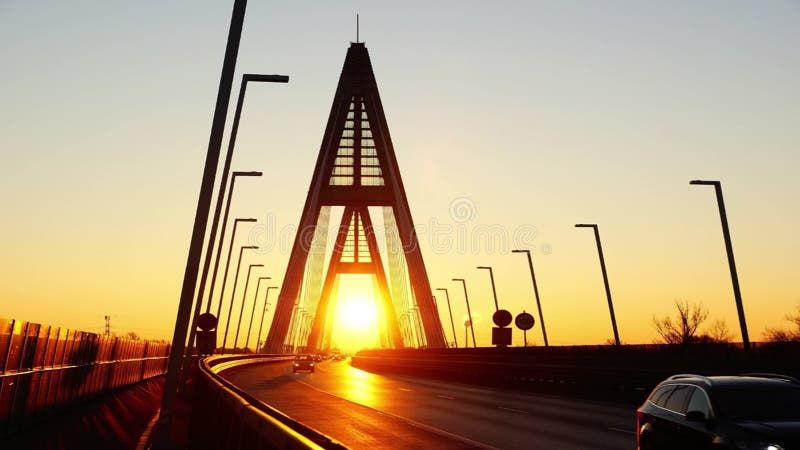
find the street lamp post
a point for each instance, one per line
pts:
(226, 170)
(236, 223)
(450, 310)
(253, 314)
(737, 294)
(233, 295)
(494, 290)
(223, 182)
(209, 250)
(184, 315)
(535, 292)
(469, 312)
(244, 300)
(264, 312)
(605, 277)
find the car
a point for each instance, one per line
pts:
(745, 412)
(303, 362)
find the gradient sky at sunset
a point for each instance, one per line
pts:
(526, 117)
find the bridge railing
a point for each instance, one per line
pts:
(44, 368)
(226, 417)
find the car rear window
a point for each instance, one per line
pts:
(659, 397)
(678, 398)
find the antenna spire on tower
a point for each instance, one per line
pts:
(357, 29)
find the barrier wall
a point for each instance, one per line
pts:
(226, 417)
(43, 368)
(623, 374)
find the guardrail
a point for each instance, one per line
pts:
(226, 417)
(623, 374)
(46, 368)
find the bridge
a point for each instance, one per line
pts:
(421, 383)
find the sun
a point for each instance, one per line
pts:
(356, 313)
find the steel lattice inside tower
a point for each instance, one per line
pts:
(356, 168)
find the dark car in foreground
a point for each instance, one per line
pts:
(746, 412)
(303, 362)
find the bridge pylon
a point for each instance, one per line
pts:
(356, 169)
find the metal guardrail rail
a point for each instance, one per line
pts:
(226, 417)
(45, 368)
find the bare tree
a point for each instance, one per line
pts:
(684, 327)
(718, 332)
(781, 335)
(132, 336)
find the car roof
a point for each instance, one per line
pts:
(746, 380)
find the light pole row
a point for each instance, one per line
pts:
(731, 264)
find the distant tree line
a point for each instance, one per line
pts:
(686, 327)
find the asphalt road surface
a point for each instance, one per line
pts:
(367, 411)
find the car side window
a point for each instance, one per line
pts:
(659, 397)
(699, 402)
(678, 398)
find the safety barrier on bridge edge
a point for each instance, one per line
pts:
(623, 374)
(226, 417)
(46, 368)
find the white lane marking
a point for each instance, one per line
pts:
(404, 389)
(622, 430)
(445, 397)
(513, 410)
(411, 422)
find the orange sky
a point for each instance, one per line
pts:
(528, 119)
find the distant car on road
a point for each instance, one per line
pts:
(746, 412)
(303, 362)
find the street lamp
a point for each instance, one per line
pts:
(469, 312)
(450, 310)
(223, 182)
(244, 300)
(222, 235)
(264, 311)
(236, 223)
(184, 315)
(737, 294)
(605, 277)
(535, 292)
(494, 291)
(233, 295)
(252, 314)
(209, 251)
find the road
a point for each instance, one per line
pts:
(366, 410)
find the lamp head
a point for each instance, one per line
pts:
(265, 78)
(247, 174)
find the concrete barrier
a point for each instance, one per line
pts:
(226, 417)
(624, 374)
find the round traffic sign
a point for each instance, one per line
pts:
(524, 321)
(501, 318)
(206, 322)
